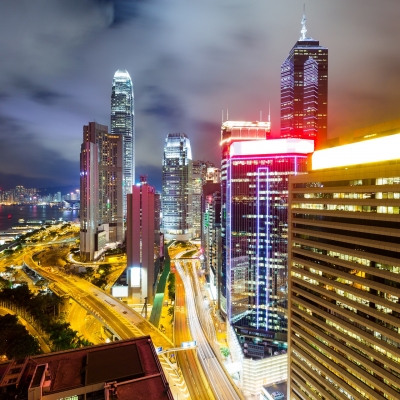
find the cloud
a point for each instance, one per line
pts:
(188, 61)
(40, 38)
(24, 159)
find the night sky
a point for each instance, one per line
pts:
(188, 60)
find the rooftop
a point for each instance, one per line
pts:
(127, 367)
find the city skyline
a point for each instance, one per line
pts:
(59, 66)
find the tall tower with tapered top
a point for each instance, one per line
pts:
(304, 90)
(123, 123)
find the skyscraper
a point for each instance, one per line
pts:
(199, 177)
(123, 123)
(177, 187)
(304, 90)
(101, 189)
(344, 259)
(198, 170)
(140, 241)
(89, 203)
(254, 229)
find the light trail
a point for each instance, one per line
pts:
(220, 383)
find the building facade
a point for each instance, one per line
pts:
(140, 242)
(344, 273)
(304, 91)
(123, 124)
(101, 154)
(233, 131)
(198, 174)
(177, 188)
(254, 277)
(211, 235)
(89, 189)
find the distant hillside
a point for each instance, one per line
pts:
(63, 189)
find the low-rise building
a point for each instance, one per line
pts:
(123, 370)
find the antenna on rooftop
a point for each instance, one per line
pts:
(227, 118)
(303, 23)
(260, 116)
(269, 111)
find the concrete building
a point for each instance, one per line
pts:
(123, 370)
(211, 235)
(344, 272)
(202, 172)
(101, 154)
(140, 243)
(89, 212)
(176, 197)
(198, 174)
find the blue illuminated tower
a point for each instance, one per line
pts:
(123, 123)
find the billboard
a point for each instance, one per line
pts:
(119, 291)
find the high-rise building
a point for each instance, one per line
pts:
(89, 209)
(234, 131)
(177, 188)
(200, 170)
(123, 123)
(213, 175)
(101, 201)
(211, 235)
(304, 90)
(253, 281)
(344, 259)
(140, 242)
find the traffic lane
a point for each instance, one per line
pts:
(187, 359)
(106, 307)
(217, 378)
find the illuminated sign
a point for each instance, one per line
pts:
(119, 291)
(272, 146)
(135, 277)
(374, 150)
(188, 344)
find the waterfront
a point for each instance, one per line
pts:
(33, 212)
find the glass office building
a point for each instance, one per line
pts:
(344, 258)
(304, 90)
(177, 188)
(254, 219)
(123, 123)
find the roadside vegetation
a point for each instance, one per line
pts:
(15, 340)
(44, 309)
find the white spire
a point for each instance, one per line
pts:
(303, 23)
(269, 112)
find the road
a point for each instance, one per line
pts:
(188, 361)
(221, 385)
(116, 316)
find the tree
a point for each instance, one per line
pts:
(171, 287)
(15, 341)
(4, 283)
(22, 346)
(170, 311)
(62, 336)
(41, 282)
(225, 351)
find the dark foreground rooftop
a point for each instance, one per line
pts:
(123, 370)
